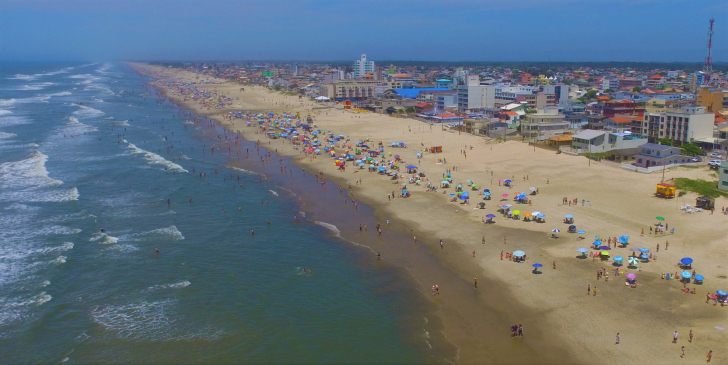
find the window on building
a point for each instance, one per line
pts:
(724, 183)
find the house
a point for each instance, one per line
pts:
(391, 99)
(600, 141)
(423, 107)
(653, 154)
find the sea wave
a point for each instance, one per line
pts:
(170, 233)
(77, 127)
(181, 284)
(273, 192)
(329, 226)
(62, 93)
(35, 86)
(37, 300)
(4, 135)
(103, 238)
(12, 120)
(5, 112)
(34, 99)
(59, 260)
(30, 172)
(156, 159)
(88, 112)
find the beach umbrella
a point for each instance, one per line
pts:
(686, 274)
(486, 190)
(506, 206)
(382, 169)
(581, 231)
(582, 250)
(568, 216)
(618, 258)
(623, 239)
(686, 261)
(510, 213)
(516, 212)
(361, 164)
(722, 293)
(537, 265)
(526, 214)
(411, 166)
(645, 256)
(633, 260)
(447, 174)
(405, 192)
(555, 230)
(444, 182)
(532, 189)
(505, 195)
(475, 185)
(644, 250)
(470, 181)
(541, 216)
(597, 243)
(699, 277)
(517, 193)
(487, 193)
(604, 253)
(418, 154)
(490, 216)
(660, 218)
(605, 248)
(631, 276)
(519, 253)
(508, 181)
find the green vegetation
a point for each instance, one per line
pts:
(690, 149)
(700, 186)
(665, 141)
(636, 89)
(410, 110)
(591, 94)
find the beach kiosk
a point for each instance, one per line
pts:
(705, 202)
(666, 190)
(436, 149)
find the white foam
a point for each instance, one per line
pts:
(5, 112)
(87, 112)
(273, 192)
(30, 172)
(245, 171)
(23, 77)
(11, 120)
(59, 260)
(181, 284)
(36, 300)
(45, 283)
(123, 248)
(34, 99)
(62, 93)
(35, 86)
(156, 159)
(121, 123)
(103, 238)
(4, 135)
(328, 226)
(170, 233)
(76, 127)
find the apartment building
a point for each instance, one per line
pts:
(686, 125)
(546, 123)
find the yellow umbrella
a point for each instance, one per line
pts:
(604, 253)
(516, 212)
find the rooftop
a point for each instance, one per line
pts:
(589, 134)
(412, 93)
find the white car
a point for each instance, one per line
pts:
(715, 155)
(715, 163)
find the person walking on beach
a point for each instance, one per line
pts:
(643, 232)
(502, 257)
(617, 341)
(483, 239)
(475, 283)
(588, 289)
(658, 247)
(710, 355)
(682, 351)
(690, 336)
(473, 253)
(554, 264)
(667, 244)
(504, 240)
(674, 337)
(441, 244)
(595, 291)
(520, 330)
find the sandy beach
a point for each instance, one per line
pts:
(562, 322)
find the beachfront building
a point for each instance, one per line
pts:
(447, 100)
(544, 124)
(622, 108)
(362, 67)
(599, 141)
(355, 89)
(391, 100)
(475, 97)
(690, 123)
(536, 100)
(652, 154)
(723, 176)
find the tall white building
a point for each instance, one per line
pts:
(363, 67)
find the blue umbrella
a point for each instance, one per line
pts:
(490, 216)
(444, 182)
(568, 216)
(519, 253)
(582, 250)
(644, 250)
(411, 166)
(317, 151)
(605, 248)
(541, 216)
(466, 193)
(487, 193)
(597, 243)
(618, 258)
(581, 231)
(623, 239)
(418, 154)
(405, 192)
(686, 261)
(507, 181)
(358, 161)
(382, 169)
(721, 292)
(645, 256)
(361, 163)
(686, 274)
(487, 190)
(537, 265)
(699, 277)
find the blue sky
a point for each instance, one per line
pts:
(436, 30)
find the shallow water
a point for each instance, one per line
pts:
(85, 146)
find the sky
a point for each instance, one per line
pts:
(328, 30)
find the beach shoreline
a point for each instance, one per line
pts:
(517, 296)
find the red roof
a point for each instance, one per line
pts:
(422, 105)
(621, 120)
(511, 113)
(655, 77)
(446, 115)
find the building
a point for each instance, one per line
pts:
(622, 108)
(723, 176)
(713, 100)
(596, 141)
(610, 82)
(473, 96)
(444, 83)
(689, 124)
(510, 92)
(536, 100)
(630, 83)
(390, 99)
(449, 100)
(358, 89)
(363, 67)
(653, 154)
(543, 125)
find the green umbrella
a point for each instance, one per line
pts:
(633, 261)
(660, 219)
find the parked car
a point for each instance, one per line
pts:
(714, 163)
(715, 155)
(696, 159)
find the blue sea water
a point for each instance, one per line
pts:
(85, 146)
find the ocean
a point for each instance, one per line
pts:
(97, 171)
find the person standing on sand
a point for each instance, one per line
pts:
(504, 240)
(658, 247)
(643, 232)
(502, 259)
(674, 337)
(682, 351)
(475, 282)
(588, 289)
(667, 244)
(473, 253)
(690, 336)
(617, 341)
(710, 355)
(483, 239)
(441, 244)
(520, 330)
(595, 291)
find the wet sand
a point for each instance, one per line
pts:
(562, 324)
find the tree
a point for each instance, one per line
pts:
(665, 141)
(690, 149)
(568, 81)
(410, 110)
(636, 89)
(591, 94)
(609, 90)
